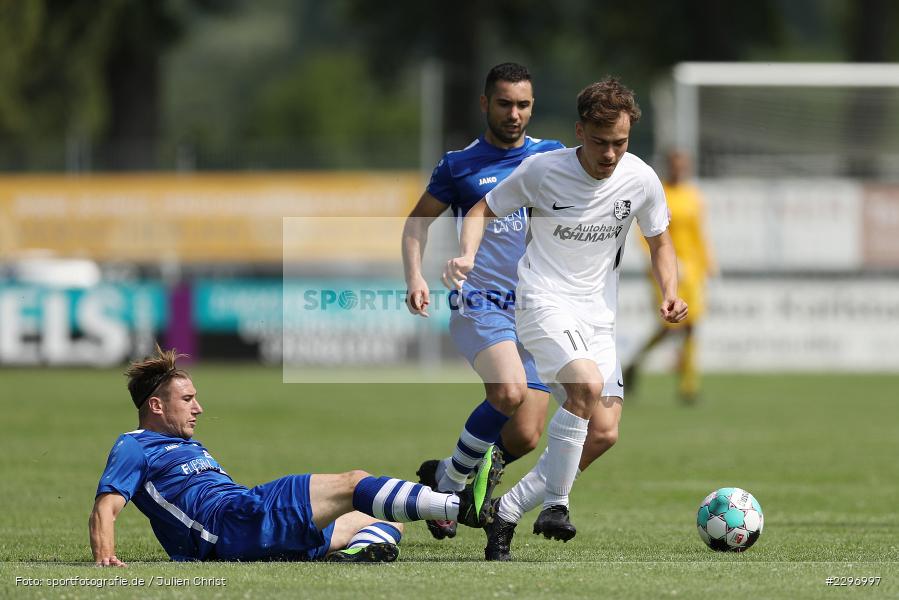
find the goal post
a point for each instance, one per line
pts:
(785, 118)
(798, 164)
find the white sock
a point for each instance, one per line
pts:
(440, 472)
(437, 506)
(566, 435)
(444, 481)
(527, 494)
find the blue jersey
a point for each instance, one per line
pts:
(176, 483)
(461, 179)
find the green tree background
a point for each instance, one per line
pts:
(205, 84)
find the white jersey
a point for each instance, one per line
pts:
(578, 227)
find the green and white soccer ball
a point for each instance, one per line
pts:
(730, 520)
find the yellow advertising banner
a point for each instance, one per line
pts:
(200, 218)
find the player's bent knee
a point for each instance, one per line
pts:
(353, 478)
(604, 437)
(507, 397)
(585, 393)
(594, 390)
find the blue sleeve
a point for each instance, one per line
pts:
(442, 186)
(125, 470)
(555, 145)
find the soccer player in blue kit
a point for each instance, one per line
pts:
(198, 512)
(482, 324)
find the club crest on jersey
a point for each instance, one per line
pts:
(622, 209)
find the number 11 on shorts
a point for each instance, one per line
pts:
(571, 339)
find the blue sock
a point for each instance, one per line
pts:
(481, 431)
(374, 534)
(485, 422)
(401, 501)
(508, 457)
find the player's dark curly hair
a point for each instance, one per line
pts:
(602, 102)
(511, 72)
(153, 374)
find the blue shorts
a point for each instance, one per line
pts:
(272, 521)
(477, 330)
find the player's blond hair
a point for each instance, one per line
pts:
(602, 103)
(153, 374)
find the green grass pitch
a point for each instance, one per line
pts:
(821, 454)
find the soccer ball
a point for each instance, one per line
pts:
(730, 520)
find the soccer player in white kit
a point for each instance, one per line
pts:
(582, 202)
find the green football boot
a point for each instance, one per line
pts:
(380, 552)
(475, 508)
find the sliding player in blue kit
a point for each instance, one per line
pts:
(482, 324)
(199, 513)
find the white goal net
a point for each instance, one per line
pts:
(784, 119)
(798, 165)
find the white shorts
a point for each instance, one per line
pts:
(555, 336)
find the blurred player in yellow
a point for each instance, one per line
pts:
(695, 265)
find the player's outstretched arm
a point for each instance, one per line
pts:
(415, 238)
(102, 529)
(664, 267)
(473, 226)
